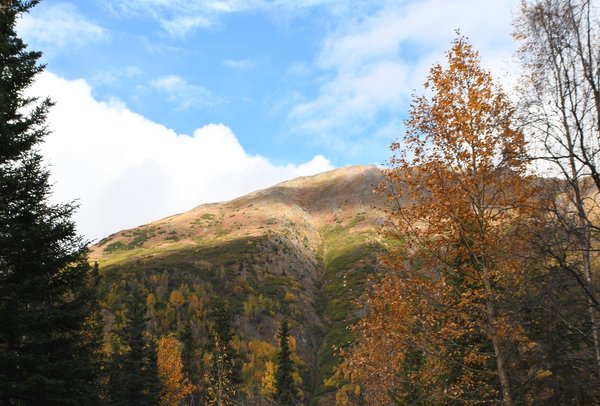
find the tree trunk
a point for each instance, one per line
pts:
(493, 331)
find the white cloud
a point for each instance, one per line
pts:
(180, 17)
(58, 27)
(358, 94)
(127, 170)
(239, 64)
(179, 26)
(115, 75)
(184, 95)
(370, 64)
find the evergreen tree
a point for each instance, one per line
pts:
(44, 303)
(133, 370)
(151, 393)
(115, 388)
(285, 393)
(190, 359)
(223, 376)
(92, 339)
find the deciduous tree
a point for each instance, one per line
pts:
(267, 387)
(440, 327)
(175, 385)
(560, 109)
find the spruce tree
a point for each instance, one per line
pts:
(223, 376)
(286, 393)
(189, 357)
(133, 369)
(91, 340)
(45, 354)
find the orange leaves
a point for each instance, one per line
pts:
(435, 327)
(383, 339)
(466, 123)
(170, 370)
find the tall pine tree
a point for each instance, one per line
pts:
(223, 376)
(286, 394)
(44, 302)
(133, 369)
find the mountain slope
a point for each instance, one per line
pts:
(300, 249)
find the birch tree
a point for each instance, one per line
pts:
(560, 108)
(440, 321)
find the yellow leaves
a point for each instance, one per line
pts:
(176, 298)
(151, 300)
(267, 387)
(475, 358)
(289, 297)
(464, 123)
(260, 367)
(384, 338)
(292, 343)
(170, 371)
(260, 349)
(346, 394)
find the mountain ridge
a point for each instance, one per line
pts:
(333, 189)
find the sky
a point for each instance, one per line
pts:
(162, 105)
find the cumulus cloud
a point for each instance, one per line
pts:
(370, 64)
(126, 170)
(184, 95)
(58, 27)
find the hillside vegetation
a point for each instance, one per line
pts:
(301, 249)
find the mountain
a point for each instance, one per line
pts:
(301, 249)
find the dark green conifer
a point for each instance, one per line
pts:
(133, 371)
(92, 340)
(190, 359)
(45, 353)
(223, 376)
(286, 393)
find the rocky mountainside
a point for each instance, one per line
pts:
(301, 249)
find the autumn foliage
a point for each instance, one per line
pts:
(176, 386)
(439, 327)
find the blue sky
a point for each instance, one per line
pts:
(164, 105)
